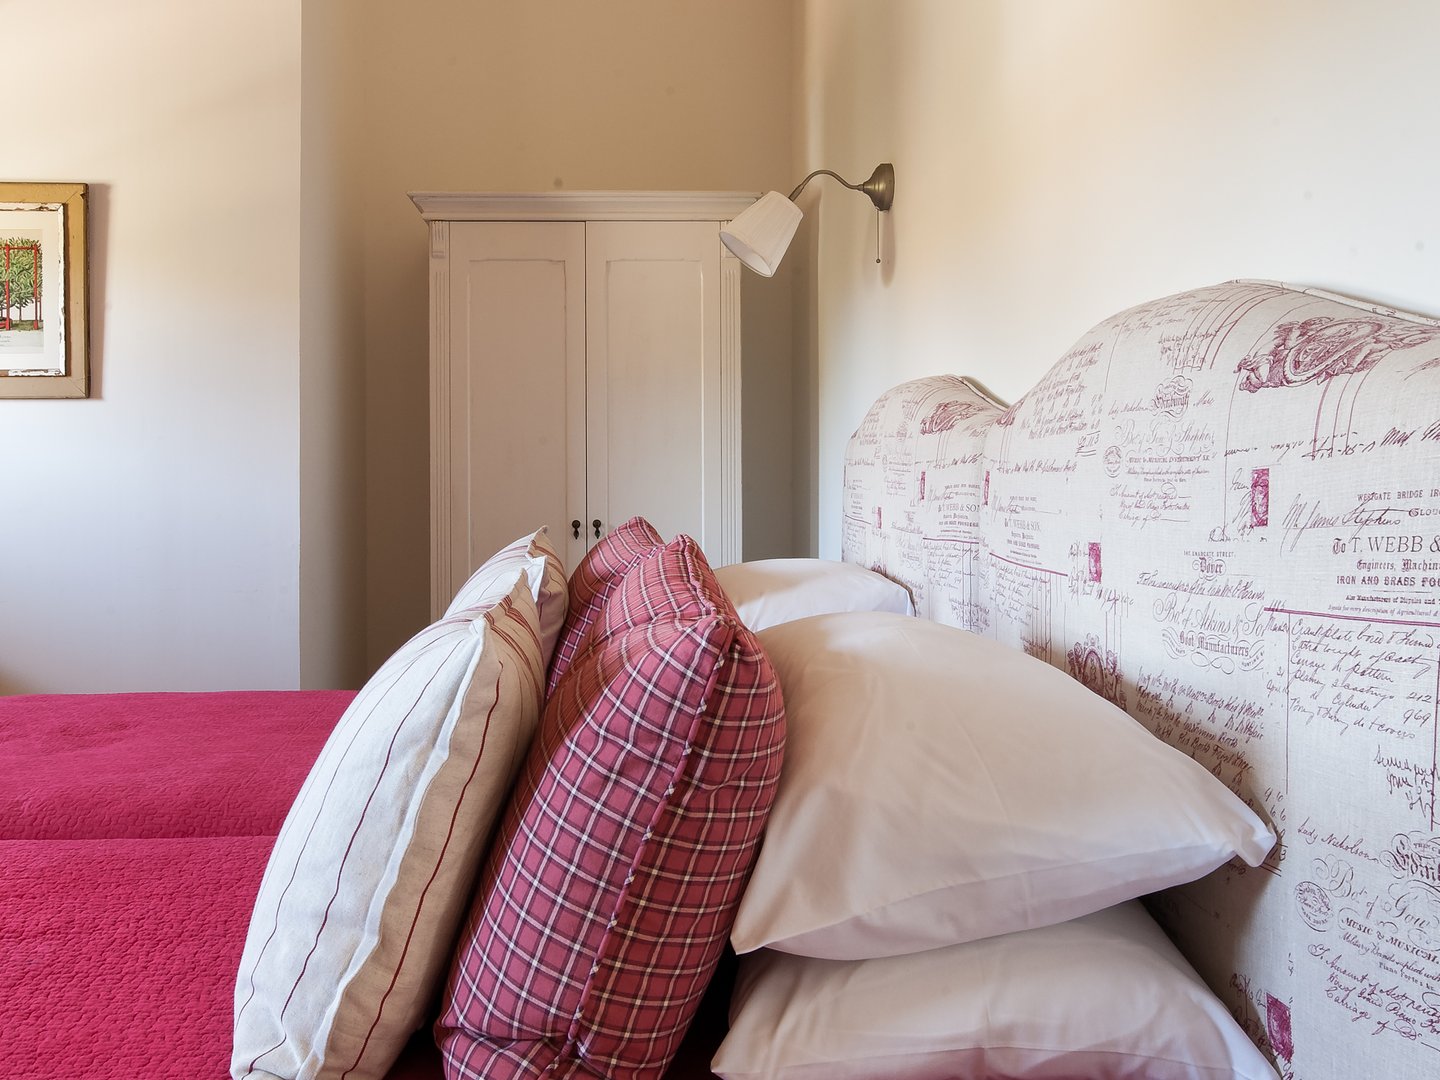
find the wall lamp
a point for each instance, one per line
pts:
(760, 235)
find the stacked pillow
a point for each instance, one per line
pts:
(949, 807)
(604, 905)
(1102, 996)
(768, 592)
(369, 876)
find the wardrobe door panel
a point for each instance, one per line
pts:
(653, 343)
(516, 364)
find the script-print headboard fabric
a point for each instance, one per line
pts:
(1221, 511)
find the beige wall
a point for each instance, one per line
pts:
(243, 501)
(1057, 162)
(209, 518)
(149, 535)
(647, 94)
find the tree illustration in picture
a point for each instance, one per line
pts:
(21, 285)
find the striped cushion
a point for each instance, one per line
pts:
(370, 875)
(536, 557)
(592, 582)
(606, 900)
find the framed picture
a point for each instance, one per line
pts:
(43, 337)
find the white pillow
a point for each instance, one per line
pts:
(1105, 996)
(362, 898)
(772, 591)
(939, 787)
(536, 557)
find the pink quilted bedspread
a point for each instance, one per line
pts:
(119, 956)
(134, 830)
(82, 766)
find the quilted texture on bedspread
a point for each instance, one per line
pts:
(83, 766)
(117, 958)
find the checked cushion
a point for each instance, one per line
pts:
(608, 896)
(594, 579)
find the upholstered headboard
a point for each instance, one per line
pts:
(1221, 510)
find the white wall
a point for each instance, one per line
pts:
(1057, 162)
(500, 96)
(149, 536)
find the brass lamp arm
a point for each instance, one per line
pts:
(880, 187)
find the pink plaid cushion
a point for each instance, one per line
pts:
(592, 582)
(608, 896)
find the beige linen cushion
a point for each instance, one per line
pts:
(536, 557)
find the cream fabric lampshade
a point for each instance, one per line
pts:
(760, 235)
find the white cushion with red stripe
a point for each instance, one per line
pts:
(371, 873)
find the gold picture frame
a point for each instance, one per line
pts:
(44, 343)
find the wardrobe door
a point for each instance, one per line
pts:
(508, 432)
(657, 434)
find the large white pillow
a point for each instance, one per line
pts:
(1104, 997)
(768, 592)
(535, 556)
(360, 904)
(940, 787)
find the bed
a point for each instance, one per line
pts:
(1217, 515)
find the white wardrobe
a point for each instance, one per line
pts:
(584, 368)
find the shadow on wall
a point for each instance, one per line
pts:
(805, 411)
(97, 222)
(397, 450)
